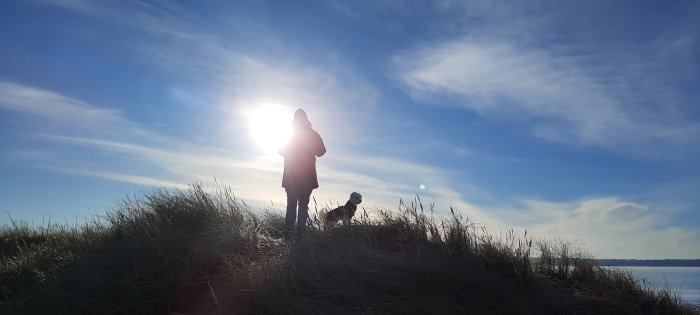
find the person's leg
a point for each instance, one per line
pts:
(292, 197)
(304, 196)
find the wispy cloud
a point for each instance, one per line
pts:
(234, 73)
(594, 84)
(174, 160)
(55, 108)
(563, 100)
(234, 78)
(119, 177)
(608, 227)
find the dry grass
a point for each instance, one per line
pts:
(198, 252)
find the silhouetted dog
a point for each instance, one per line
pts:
(344, 213)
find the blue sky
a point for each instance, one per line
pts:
(577, 121)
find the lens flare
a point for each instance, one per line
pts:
(422, 186)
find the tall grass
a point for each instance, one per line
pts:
(205, 252)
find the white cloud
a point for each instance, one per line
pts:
(171, 160)
(237, 78)
(120, 177)
(239, 74)
(607, 227)
(56, 108)
(579, 82)
(562, 100)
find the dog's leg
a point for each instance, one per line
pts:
(330, 224)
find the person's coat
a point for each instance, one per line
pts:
(300, 154)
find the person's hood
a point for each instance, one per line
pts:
(300, 119)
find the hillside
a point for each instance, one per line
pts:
(198, 252)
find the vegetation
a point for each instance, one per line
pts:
(199, 252)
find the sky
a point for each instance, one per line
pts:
(575, 121)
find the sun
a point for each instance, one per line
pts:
(270, 127)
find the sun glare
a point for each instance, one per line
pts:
(270, 127)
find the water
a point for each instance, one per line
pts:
(685, 280)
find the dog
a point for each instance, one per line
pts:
(344, 213)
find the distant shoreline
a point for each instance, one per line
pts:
(650, 262)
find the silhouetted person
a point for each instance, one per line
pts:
(299, 177)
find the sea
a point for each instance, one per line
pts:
(683, 280)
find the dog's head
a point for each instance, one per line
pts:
(355, 198)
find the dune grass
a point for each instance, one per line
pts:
(200, 252)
